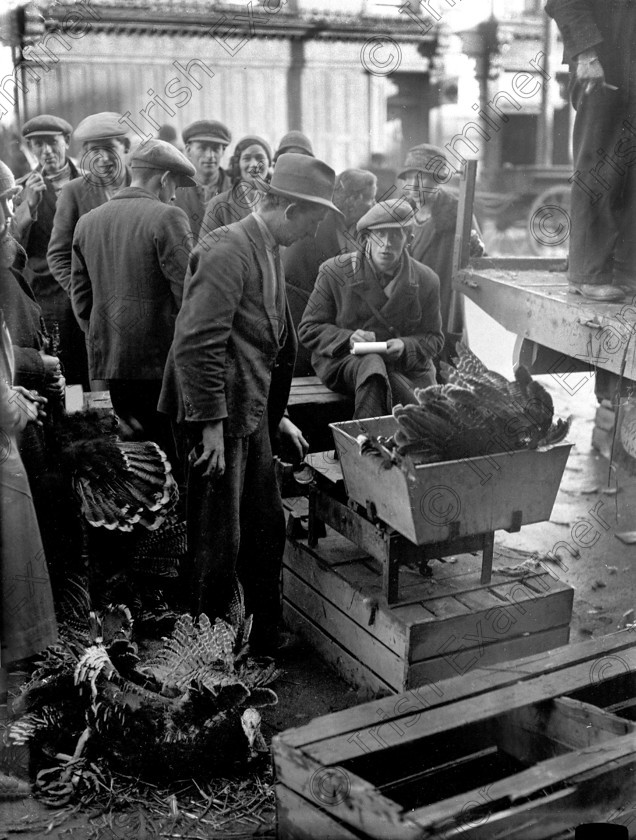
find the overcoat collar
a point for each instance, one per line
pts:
(365, 284)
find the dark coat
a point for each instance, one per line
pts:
(33, 231)
(226, 208)
(127, 281)
(302, 260)
(77, 197)
(192, 202)
(339, 305)
(228, 345)
(594, 23)
(24, 322)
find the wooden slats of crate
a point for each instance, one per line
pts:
(443, 625)
(527, 750)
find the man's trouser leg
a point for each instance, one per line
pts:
(598, 180)
(262, 539)
(213, 519)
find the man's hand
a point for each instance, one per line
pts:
(212, 454)
(361, 335)
(34, 188)
(394, 348)
(52, 367)
(294, 437)
(589, 71)
(55, 388)
(30, 402)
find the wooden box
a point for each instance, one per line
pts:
(524, 752)
(453, 498)
(442, 625)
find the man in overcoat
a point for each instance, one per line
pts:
(205, 144)
(48, 139)
(228, 381)
(379, 295)
(127, 282)
(104, 172)
(353, 196)
(599, 40)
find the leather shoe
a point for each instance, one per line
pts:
(605, 293)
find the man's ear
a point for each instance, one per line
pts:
(291, 211)
(164, 177)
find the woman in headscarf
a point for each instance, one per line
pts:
(249, 166)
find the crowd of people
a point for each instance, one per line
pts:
(184, 288)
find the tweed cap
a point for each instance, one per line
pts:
(157, 154)
(296, 140)
(418, 158)
(7, 182)
(106, 125)
(394, 213)
(303, 177)
(211, 131)
(46, 124)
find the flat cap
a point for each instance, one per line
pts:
(102, 126)
(295, 140)
(46, 124)
(394, 213)
(7, 182)
(157, 154)
(418, 158)
(211, 131)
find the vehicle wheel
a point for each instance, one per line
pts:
(548, 224)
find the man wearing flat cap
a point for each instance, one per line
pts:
(425, 170)
(104, 172)
(227, 382)
(48, 137)
(354, 195)
(205, 143)
(378, 295)
(127, 282)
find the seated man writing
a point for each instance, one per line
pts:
(378, 294)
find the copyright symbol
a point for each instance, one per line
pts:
(5, 446)
(550, 225)
(381, 56)
(92, 166)
(606, 667)
(440, 505)
(268, 326)
(330, 786)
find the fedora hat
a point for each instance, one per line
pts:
(303, 177)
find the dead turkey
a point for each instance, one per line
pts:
(119, 484)
(476, 412)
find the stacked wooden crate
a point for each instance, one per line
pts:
(529, 750)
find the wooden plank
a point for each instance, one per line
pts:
(605, 652)
(342, 747)
(539, 732)
(560, 770)
(497, 653)
(300, 819)
(486, 616)
(543, 264)
(356, 801)
(354, 638)
(350, 669)
(351, 599)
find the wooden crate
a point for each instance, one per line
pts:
(526, 751)
(436, 502)
(442, 626)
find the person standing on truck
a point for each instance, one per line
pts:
(599, 40)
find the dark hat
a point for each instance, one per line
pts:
(157, 154)
(394, 213)
(354, 181)
(295, 139)
(252, 140)
(102, 126)
(7, 182)
(418, 158)
(46, 124)
(303, 177)
(211, 131)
